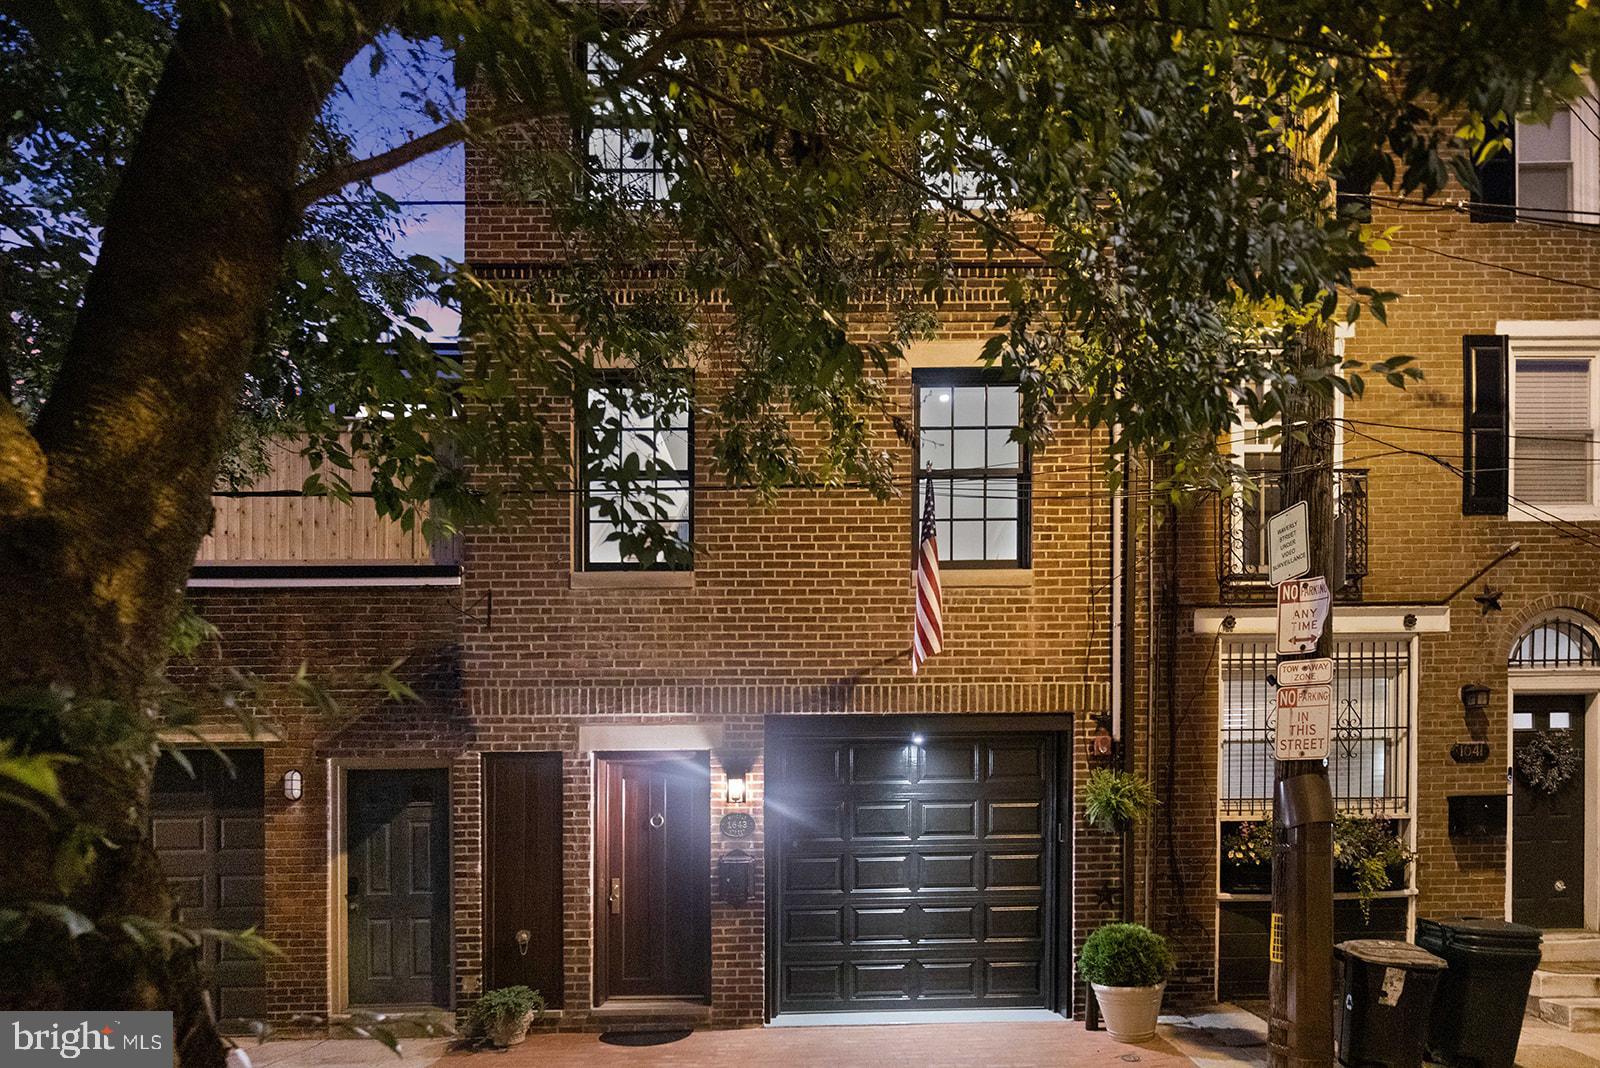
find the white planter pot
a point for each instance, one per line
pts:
(511, 1033)
(1130, 1012)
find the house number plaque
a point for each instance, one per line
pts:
(1469, 752)
(738, 825)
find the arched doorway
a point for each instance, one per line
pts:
(1554, 673)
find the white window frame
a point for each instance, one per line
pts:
(1583, 188)
(1570, 340)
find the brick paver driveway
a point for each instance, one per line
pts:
(990, 1045)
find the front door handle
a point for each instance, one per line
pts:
(615, 897)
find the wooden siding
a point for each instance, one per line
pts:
(291, 529)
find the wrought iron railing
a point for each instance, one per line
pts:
(1242, 536)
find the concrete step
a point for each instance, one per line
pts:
(1574, 1014)
(1566, 979)
(1570, 946)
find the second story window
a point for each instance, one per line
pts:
(620, 152)
(1550, 172)
(637, 479)
(1552, 430)
(965, 422)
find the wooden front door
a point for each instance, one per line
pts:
(522, 872)
(653, 876)
(1547, 828)
(398, 897)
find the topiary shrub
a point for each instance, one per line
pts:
(1125, 954)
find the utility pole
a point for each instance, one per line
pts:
(1300, 1021)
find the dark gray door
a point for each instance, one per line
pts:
(912, 873)
(398, 897)
(207, 830)
(653, 876)
(1547, 828)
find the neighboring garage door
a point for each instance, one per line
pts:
(207, 829)
(913, 874)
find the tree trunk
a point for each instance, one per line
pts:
(103, 506)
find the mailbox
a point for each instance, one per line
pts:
(735, 876)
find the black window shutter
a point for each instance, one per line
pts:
(1486, 458)
(1497, 184)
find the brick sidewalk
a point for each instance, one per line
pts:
(991, 1045)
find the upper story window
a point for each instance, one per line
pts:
(620, 153)
(1531, 402)
(1551, 171)
(966, 421)
(1553, 429)
(637, 479)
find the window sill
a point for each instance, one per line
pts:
(633, 580)
(985, 576)
(1566, 513)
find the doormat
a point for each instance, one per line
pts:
(645, 1038)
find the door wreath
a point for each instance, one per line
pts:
(1547, 759)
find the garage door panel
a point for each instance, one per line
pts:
(947, 819)
(949, 871)
(1011, 762)
(884, 819)
(811, 874)
(880, 762)
(1014, 922)
(889, 981)
(950, 979)
(1014, 871)
(934, 891)
(1014, 819)
(944, 763)
(175, 834)
(894, 923)
(824, 926)
(886, 873)
(813, 985)
(207, 827)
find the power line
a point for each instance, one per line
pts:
(1563, 527)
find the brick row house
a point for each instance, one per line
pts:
(715, 794)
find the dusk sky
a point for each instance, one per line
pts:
(382, 111)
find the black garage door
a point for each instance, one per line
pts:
(913, 871)
(207, 829)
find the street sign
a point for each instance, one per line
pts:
(1288, 544)
(1305, 720)
(1305, 672)
(1302, 613)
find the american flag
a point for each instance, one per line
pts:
(927, 634)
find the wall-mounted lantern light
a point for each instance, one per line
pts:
(1474, 698)
(294, 785)
(737, 767)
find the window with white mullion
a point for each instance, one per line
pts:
(1553, 413)
(1558, 164)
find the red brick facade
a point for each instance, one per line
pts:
(803, 607)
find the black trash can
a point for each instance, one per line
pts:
(1477, 1013)
(1387, 997)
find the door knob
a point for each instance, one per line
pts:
(615, 897)
(524, 936)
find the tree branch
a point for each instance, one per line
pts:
(362, 170)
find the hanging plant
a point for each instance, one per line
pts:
(1547, 759)
(1116, 800)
